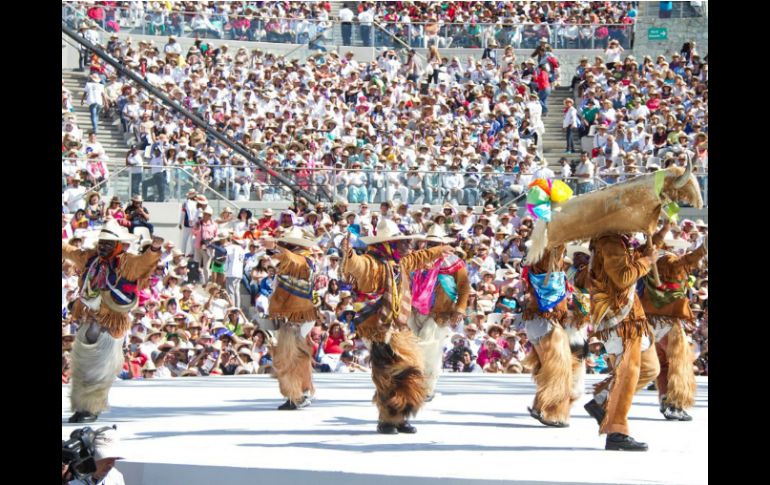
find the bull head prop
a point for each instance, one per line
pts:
(628, 207)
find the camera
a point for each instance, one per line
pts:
(78, 451)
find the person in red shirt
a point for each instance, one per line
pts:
(335, 339)
(266, 222)
(253, 232)
(543, 86)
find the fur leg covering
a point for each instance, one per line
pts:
(432, 338)
(578, 377)
(293, 363)
(681, 378)
(661, 347)
(94, 368)
(578, 345)
(398, 377)
(554, 376)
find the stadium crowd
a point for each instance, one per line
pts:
(399, 133)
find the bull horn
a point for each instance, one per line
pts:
(682, 179)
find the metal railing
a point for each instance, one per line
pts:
(232, 183)
(378, 34)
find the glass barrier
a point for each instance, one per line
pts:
(333, 32)
(232, 183)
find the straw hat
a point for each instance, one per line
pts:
(298, 237)
(112, 231)
(577, 248)
(387, 230)
(436, 234)
(676, 244)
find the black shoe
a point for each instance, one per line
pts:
(83, 417)
(622, 442)
(652, 386)
(386, 428)
(287, 406)
(683, 416)
(672, 414)
(553, 424)
(595, 410)
(405, 427)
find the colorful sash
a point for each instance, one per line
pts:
(102, 279)
(424, 283)
(300, 287)
(550, 293)
(666, 293)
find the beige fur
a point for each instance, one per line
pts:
(628, 207)
(293, 363)
(94, 368)
(397, 373)
(578, 377)
(681, 379)
(553, 376)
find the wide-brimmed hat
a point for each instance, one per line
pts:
(572, 249)
(676, 244)
(387, 230)
(298, 237)
(112, 231)
(437, 234)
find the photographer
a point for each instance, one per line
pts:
(105, 453)
(454, 356)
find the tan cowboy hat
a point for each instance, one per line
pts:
(436, 234)
(298, 237)
(576, 248)
(387, 230)
(112, 231)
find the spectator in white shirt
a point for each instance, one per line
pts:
(570, 123)
(234, 269)
(93, 94)
(73, 197)
(585, 175)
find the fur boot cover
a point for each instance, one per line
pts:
(94, 368)
(293, 363)
(681, 378)
(397, 372)
(553, 376)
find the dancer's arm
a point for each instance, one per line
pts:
(360, 268)
(292, 264)
(621, 268)
(140, 266)
(463, 290)
(78, 256)
(691, 260)
(424, 258)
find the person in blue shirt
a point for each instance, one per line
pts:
(597, 358)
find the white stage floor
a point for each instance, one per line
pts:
(476, 431)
